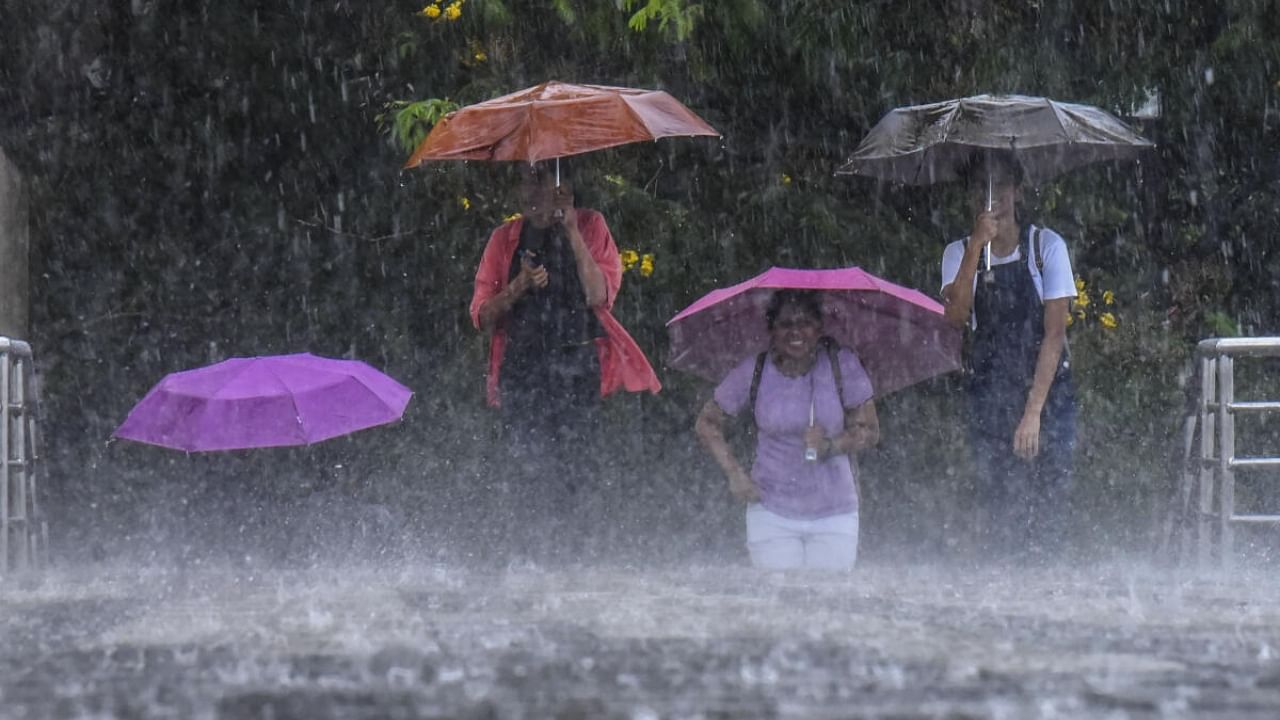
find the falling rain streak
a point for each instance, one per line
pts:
(181, 185)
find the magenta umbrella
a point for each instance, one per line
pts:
(269, 401)
(899, 334)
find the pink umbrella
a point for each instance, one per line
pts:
(264, 402)
(899, 334)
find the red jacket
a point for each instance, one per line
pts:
(622, 363)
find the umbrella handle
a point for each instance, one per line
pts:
(811, 454)
(987, 248)
(558, 213)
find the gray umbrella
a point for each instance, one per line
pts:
(924, 144)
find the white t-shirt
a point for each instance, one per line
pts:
(1057, 280)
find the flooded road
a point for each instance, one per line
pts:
(701, 642)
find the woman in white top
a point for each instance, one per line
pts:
(1021, 405)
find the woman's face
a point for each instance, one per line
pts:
(536, 200)
(540, 197)
(795, 332)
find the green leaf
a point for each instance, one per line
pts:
(414, 120)
(565, 11)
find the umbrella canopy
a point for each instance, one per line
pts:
(899, 334)
(555, 120)
(924, 144)
(264, 402)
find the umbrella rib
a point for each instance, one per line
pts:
(631, 112)
(190, 443)
(946, 135)
(297, 413)
(1056, 116)
(374, 392)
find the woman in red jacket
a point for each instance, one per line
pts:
(544, 290)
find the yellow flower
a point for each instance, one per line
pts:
(1079, 284)
(431, 11)
(786, 179)
(1082, 300)
(1080, 314)
(1108, 321)
(1108, 298)
(512, 217)
(454, 10)
(646, 265)
(481, 56)
(465, 202)
(629, 259)
(1070, 319)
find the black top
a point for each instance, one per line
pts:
(552, 318)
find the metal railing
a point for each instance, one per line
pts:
(1214, 475)
(24, 533)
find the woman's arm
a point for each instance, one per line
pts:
(862, 430)
(496, 306)
(1026, 439)
(710, 430)
(957, 297)
(589, 271)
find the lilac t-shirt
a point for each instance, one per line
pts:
(790, 486)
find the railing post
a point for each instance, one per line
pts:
(24, 534)
(6, 379)
(1208, 395)
(1226, 453)
(18, 460)
(1217, 412)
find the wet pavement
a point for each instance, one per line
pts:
(433, 641)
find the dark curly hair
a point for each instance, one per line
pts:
(808, 300)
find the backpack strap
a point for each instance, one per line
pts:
(833, 355)
(833, 351)
(1039, 251)
(755, 383)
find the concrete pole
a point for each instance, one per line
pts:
(15, 299)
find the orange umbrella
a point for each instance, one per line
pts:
(555, 120)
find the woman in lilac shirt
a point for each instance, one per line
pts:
(801, 492)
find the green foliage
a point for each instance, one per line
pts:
(412, 121)
(675, 17)
(1220, 325)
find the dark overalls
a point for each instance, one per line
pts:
(1026, 500)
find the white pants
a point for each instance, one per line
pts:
(779, 543)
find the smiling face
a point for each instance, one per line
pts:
(795, 332)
